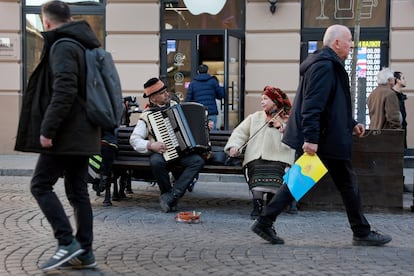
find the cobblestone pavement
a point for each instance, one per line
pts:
(134, 237)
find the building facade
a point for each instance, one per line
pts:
(245, 45)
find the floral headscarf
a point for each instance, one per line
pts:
(279, 98)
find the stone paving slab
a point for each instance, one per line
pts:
(134, 237)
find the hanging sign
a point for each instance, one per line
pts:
(197, 7)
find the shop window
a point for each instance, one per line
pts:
(317, 15)
(41, 2)
(91, 11)
(323, 13)
(181, 15)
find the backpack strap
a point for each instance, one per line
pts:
(52, 49)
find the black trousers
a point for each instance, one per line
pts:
(344, 177)
(191, 165)
(74, 169)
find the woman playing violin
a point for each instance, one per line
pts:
(266, 158)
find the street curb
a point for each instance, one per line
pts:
(204, 177)
(209, 177)
(16, 172)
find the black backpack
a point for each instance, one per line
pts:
(104, 103)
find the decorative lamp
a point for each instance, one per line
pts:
(272, 6)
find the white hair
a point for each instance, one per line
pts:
(332, 33)
(384, 75)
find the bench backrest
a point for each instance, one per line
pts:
(218, 140)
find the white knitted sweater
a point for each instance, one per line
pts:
(267, 144)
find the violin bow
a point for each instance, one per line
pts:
(257, 131)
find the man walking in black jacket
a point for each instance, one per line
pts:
(54, 124)
(321, 122)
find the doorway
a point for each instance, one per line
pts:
(222, 52)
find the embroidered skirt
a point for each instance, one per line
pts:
(264, 173)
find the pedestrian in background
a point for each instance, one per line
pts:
(205, 89)
(321, 121)
(53, 123)
(265, 158)
(383, 105)
(399, 85)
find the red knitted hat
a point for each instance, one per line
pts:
(278, 97)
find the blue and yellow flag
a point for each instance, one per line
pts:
(304, 174)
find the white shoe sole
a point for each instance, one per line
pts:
(74, 254)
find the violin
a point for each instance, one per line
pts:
(278, 120)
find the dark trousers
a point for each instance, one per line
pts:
(344, 177)
(108, 153)
(191, 165)
(74, 169)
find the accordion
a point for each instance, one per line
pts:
(183, 128)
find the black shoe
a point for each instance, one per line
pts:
(166, 201)
(267, 233)
(292, 211)
(191, 186)
(173, 208)
(106, 203)
(372, 239)
(122, 195)
(293, 208)
(257, 208)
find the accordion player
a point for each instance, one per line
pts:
(182, 128)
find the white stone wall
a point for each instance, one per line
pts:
(272, 52)
(10, 73)
(402, 53)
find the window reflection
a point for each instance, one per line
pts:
(318, 14)
(179, 66)
(34, 39)
(41, 2)
(177, 16)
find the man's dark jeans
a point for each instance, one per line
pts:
(191, 165)
(344, 177)
(74, 169)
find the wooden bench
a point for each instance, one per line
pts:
(137, 165)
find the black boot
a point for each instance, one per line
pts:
(128, 187)
(257, 208)
(107, 200)
(122, 186)
(115, 193)
(293, 209)
(167, 202)
(269, 197)
(266, 231)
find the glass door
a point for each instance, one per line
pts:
(233, 80)
(182, 53)
(177, 63)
